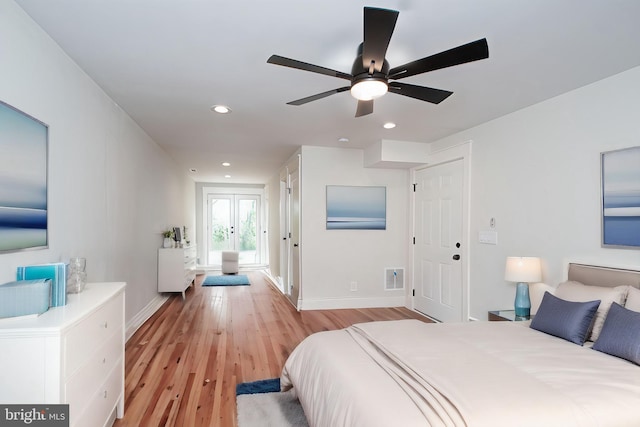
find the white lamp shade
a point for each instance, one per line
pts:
(369, 89)
(522, 269)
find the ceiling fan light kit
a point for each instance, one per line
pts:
(371, 73)
(368, 89)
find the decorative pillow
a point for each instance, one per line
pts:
(633, 299)
(565, 319)
(536, 292)
(620, 334)
(579, 292)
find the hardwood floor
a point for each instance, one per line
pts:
(183, 364)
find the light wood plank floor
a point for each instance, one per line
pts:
(183, 364)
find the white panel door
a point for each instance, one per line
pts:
(438, 234)
(294, 234)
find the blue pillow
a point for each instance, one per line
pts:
(620, 334)
(565, 319)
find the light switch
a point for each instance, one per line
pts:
(488, 237)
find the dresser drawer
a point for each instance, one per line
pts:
(80, 387)
(102, 402)
(85, 337)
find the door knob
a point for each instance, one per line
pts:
(295, 245)
(456, 257)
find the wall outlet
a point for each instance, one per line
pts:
(354, 286)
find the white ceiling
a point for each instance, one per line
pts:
(166, 62)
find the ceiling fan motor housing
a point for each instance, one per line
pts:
(361, 71)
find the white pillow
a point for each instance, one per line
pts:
(579, 292)
(633, 299)
(536, 292)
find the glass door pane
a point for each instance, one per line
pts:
(247, 230)
(220, 210)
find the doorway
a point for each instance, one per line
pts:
(233, 222)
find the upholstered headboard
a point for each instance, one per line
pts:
(603, 276)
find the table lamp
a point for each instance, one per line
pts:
(522, 270)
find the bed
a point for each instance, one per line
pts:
(551, 372)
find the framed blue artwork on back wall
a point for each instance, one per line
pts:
(356, 207)
(23, 181)
(620, 172)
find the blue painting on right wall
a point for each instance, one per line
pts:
(621, 197)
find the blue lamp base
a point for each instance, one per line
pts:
(522, 303)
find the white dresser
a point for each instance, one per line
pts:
(176, 269)
(71, 354)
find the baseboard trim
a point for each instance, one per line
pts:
(276, 282)
(337, 303)
(143, 315)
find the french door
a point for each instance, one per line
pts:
(233, 223)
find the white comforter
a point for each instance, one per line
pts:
(408, 373)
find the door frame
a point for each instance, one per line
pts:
(284, 233)
(462, 152)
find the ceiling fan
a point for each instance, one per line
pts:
(370, 74)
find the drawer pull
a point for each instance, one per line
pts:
(105, 394)
(104, 360)
(105, 324)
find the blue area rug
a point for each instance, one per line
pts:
(262, 386)
(226, 280)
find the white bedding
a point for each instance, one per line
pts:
(409, 373)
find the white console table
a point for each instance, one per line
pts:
(70, 354)
(176, 269)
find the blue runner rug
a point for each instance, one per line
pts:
(226, 280)
(261, 386)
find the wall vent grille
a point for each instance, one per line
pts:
(394, 278)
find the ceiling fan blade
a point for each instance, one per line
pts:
(458, 55)
(435, 96)
(364, 108)
(318, 96)
(378, 29)
(287, 62)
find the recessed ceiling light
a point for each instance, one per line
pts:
(226, 164)
(345, 140)
(389, 125)
(193, 170)
(227, 176)
(222, 109)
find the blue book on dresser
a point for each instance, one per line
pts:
(24, 297)
(57, 272)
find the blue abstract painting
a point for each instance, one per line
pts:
(354, 207)
(23, 181)
(621, 197)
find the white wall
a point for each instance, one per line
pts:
(112, 190)
(537, 172)
(332, 259)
